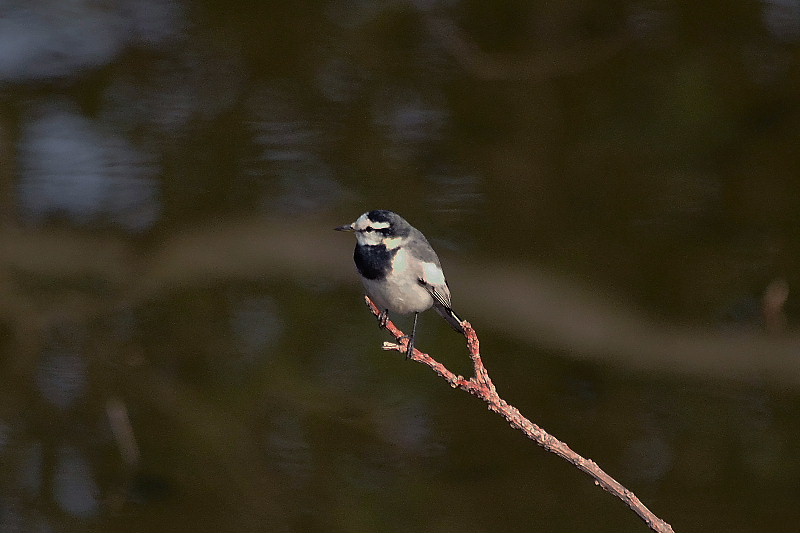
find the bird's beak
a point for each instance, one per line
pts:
(346, 227)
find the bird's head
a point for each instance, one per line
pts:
(379, 227)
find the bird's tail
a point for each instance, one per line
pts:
(451, 317)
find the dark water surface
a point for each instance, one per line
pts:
(614, 190)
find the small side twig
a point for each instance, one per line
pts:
(121, 428)
(481, 385)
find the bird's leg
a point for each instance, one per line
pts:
(383, 319)
(410, 348)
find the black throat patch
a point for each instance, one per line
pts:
(374, 262)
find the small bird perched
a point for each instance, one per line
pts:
(400, 271)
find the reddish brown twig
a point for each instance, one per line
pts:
(481, 385)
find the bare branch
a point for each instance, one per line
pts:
(481, 385)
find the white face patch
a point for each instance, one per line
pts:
(370, 238)
(374, 237)
(361, 222)
(393, 242)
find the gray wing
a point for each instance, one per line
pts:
(432, 278)
(441, 302)
(419, 247)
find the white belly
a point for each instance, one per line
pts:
(398, 296)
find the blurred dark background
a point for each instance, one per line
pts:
(612, 187)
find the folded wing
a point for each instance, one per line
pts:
(433, 281)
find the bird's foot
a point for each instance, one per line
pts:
(410, 346)
(383, 319)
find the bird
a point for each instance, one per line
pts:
(399, 269)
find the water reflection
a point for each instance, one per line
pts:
(782, 19)
(71, 169)
(43, 40)
(409, 122)
(256, 324)
(74, 487)
(455, 196)
(40, 41)
(289, 161)
(62, 376)
(289, 447)
(182, 341)
(648, 457)
(32, 475)
(406, 424)
(339, 81)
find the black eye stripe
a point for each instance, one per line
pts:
(384, 231)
